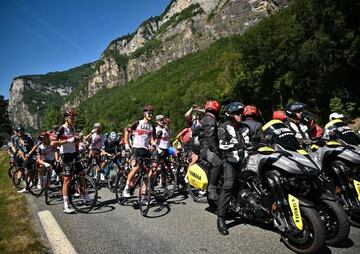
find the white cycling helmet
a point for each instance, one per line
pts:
(113, 136)
(159, 117)
(97, 125)
(335, 115)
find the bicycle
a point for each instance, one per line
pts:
(79, 186)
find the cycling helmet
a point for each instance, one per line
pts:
(97, 125)
(159, 118)
(294, 107)
(19, 128)
(250, 110)
(70, 112)
(279, 115)
(113, 136)
(212, 105)
(335, 115)
(307, 118)
(148, 108)
(234, 108)
(43, 135)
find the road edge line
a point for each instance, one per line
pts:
(59, 243)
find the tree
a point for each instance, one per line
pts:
(5, 125)
(52, 117)
(336, 105)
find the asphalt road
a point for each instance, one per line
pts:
(181, 226)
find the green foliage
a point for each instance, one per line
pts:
(121, 60)
(336, 105)
(172, 89)
(5, 125)
(191, 11)
(307, 52)
(52, 117)
(147, 49)
(73, 77)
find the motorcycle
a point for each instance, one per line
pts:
(340, 164)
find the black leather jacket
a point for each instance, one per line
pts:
(208, 133)
(232, 143)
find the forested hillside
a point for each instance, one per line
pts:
(309, 52)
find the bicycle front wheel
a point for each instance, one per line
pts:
(144, 195)
(83, 194)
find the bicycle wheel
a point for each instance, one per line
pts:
(83, 194)
(120, 183)
(46, 184)
(34, 183)
(144, 195)
(18, 179)
(111, 178)
(169, 179)
(11, 171)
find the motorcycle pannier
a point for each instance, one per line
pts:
(197, 177)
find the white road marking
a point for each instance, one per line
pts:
(59, 242)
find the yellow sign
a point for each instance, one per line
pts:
(357, 188)
(295, 209)
(197, 177)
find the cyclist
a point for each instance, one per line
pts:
(96, 140)
(232, 145)
(209, 144)
(25, 148)
(66, 138)
(251, 126)
(110, 148)
(144, 136)
(45, 156)
(337, 128)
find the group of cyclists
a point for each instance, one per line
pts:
(223, 145)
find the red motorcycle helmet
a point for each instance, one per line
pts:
(279, 115)
(212, 105)
(250, 110)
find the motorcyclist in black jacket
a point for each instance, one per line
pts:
(232, 146)
(252, 127)
(209, 144)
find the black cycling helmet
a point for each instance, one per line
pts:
(294, 107)
(234, 108)
(19, 128)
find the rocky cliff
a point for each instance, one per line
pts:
(185, 27)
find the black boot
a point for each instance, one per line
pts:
(221, 225)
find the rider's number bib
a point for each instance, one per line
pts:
(295, 209)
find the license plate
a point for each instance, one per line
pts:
(295, 209)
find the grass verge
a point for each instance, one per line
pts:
(17, 234)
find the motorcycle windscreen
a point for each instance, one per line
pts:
(197, 177)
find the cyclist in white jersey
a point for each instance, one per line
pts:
(66, 138)
(144, 136)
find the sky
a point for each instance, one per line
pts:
(40, 36)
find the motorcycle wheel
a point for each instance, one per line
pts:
(354, 219)
(311, 238)
(335, 221)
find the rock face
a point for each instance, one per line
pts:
(185, 27)
(23, 109)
